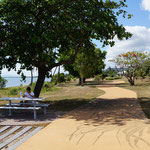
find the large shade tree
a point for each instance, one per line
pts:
(48, 33)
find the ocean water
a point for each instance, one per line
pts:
(16, 81)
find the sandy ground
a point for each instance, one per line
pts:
(114, 121)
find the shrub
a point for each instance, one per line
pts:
(113, 78)
(97, 78)
(61, 78)
(110, 78)
(13, 91)
(46, 87)
(68, 77)
(2, 82)
(74, 78)
(118, 77)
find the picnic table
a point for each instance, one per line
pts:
(17, 106)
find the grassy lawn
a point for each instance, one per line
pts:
(142, 88)
(66, 96)
(70, 95)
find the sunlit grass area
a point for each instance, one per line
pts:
(70, 95)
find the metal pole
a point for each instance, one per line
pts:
(9, 109)
(34, 109)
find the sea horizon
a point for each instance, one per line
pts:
(13, 81)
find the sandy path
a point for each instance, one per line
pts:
(114, 121)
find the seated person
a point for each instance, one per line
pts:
(28, 93)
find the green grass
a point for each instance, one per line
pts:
(142, 88)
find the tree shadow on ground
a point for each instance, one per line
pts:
(145, 105)
(66, 104)
(87, 83)
(97, 112)
(27, 119)
(55, 110)
(112, 112)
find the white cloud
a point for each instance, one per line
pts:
(146, 4)
(140, 41)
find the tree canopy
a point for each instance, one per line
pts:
(48, 33)
(88, 63)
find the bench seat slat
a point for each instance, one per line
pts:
(18, 104)
(21, 108)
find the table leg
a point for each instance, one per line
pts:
(44, 110)
(34, 114)
(34, 111)
(9, 109)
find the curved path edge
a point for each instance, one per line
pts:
(114, 121)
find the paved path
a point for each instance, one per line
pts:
(114, 121)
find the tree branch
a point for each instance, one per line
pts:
(67, 61)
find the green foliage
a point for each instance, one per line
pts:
(2, 82)
(87, 63)
(61, 78)
(97, 78)
(68, 77)
(118, 77)
(71, 70)
(47, 33)
(104, 75)
(113, 78)
(14, 91)
(110, 78)
(111, 72)
(46, 85)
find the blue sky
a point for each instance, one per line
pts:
(138, 25)
(140, 15)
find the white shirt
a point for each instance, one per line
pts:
(26, 94)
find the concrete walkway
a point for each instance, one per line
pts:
(114, 121)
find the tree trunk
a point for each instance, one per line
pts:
(84, 80)
(131, 82)
(58, 76)
(79, 81)
(31, 78)
(40, 81)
